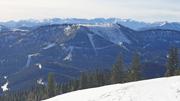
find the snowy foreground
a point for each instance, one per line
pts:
(162, 89)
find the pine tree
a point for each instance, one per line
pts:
(172, 62)
(75, 84)
(83, 81)
(101, 79)
(176, 56)
(51, 88)
(30, 97)
(117, 74)
(134, 72)
(95, 78)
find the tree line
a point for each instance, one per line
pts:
(118, 74)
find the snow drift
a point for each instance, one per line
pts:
(161, 89)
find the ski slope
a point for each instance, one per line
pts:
(161, 89)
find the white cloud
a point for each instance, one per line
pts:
(137, 9)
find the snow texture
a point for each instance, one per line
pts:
(5, 87)
(123, 46)
(40, 82)
(90, 36)
(49, 46)
(69, 56)
(16, 29)
(161, 89)
(109, 31)
(39, 65)
(70, 29)
(29, 59)
(67, 30)
(163, 23)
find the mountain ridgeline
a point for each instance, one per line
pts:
(27, 55)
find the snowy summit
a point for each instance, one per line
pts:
(161, 89)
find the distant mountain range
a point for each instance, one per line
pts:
(136, 25)
(29, 52)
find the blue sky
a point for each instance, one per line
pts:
(142, 10)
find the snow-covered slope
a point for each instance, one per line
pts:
(109, 31)
(162, 89)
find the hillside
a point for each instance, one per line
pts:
(28, 55)
(161, 89)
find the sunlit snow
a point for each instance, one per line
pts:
(40, 81)
(39, 65)
(5, 87)
(49, 46)
(161, 89)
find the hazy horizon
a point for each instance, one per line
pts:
(43, 19)
(140, 10)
